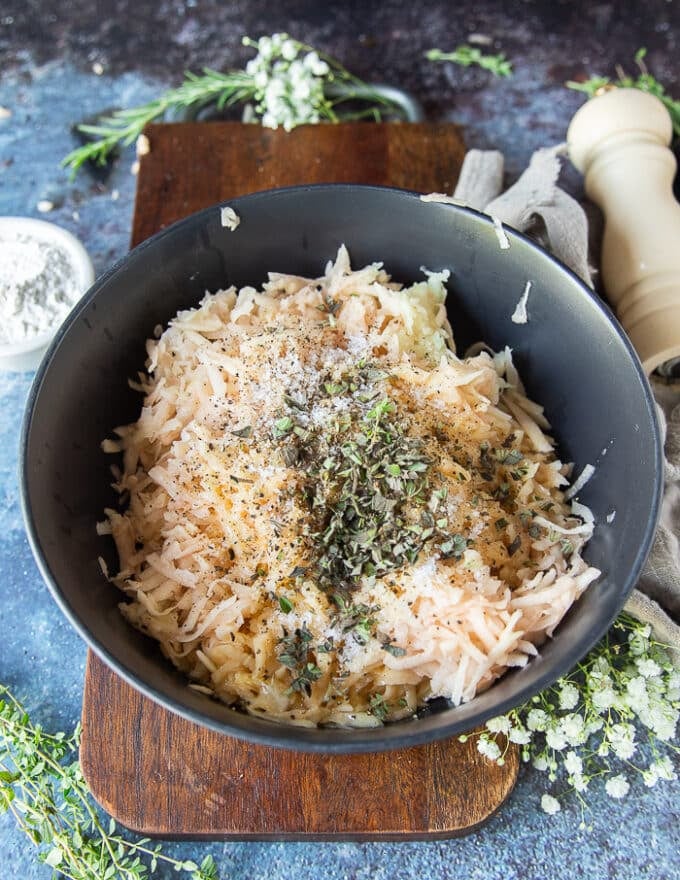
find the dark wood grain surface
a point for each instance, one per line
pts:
(161, 775)
(193, 165)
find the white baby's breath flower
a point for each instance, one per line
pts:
(555, 738)
(593, 725)
(599, 670)
(663, 768)
(623, 686)
(580, 783)
(301, 91)
(574, 729)
(540, 763)
(569, 696)
(649, 778)
(297, 72)
(647, 667)
(550, 804)
(315, 64)
(622, 740)
(289, 50)
(500, 724)
(624, 749)
(275, 89)
(537, 719)
(573, 764)
(260, 79)
(603, 699)
(673, 686)
(662, 719)
(265, 48)
(519, 736)
(639, 641)
(636, 692)
(488, 748)
(617, 786)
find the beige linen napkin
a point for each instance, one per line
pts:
(537, 206)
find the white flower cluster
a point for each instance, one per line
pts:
(289, 82)
(581, 727)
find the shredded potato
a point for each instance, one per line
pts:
(327, 516)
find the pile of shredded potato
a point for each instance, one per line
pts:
(327, 516)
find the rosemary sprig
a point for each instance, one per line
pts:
(287, 84)
(42, 785)
(125, 126)
(466, 56)
(644, 81)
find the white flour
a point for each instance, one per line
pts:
(37, 287)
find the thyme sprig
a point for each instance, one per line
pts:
(644, 81)
(42, 786)
(466, 56)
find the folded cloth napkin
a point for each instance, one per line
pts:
(536, 205)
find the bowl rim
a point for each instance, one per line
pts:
(292, 737)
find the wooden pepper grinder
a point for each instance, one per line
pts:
(619, 140)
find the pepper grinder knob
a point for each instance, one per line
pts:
(619, 141)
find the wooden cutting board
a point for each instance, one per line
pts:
(161, 775)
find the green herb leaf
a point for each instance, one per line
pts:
(282, 427)
(378, 707)
(394, 650)
(454, 547)
(644, 81)
(466, 55)
(285, 605)
(370, 476)
(42, 786)
(514, 546)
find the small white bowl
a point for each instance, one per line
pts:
(27, 354)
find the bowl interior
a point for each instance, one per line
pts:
(572, 356)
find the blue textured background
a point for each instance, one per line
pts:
(46, 56)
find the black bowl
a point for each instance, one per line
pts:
(572, 355)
